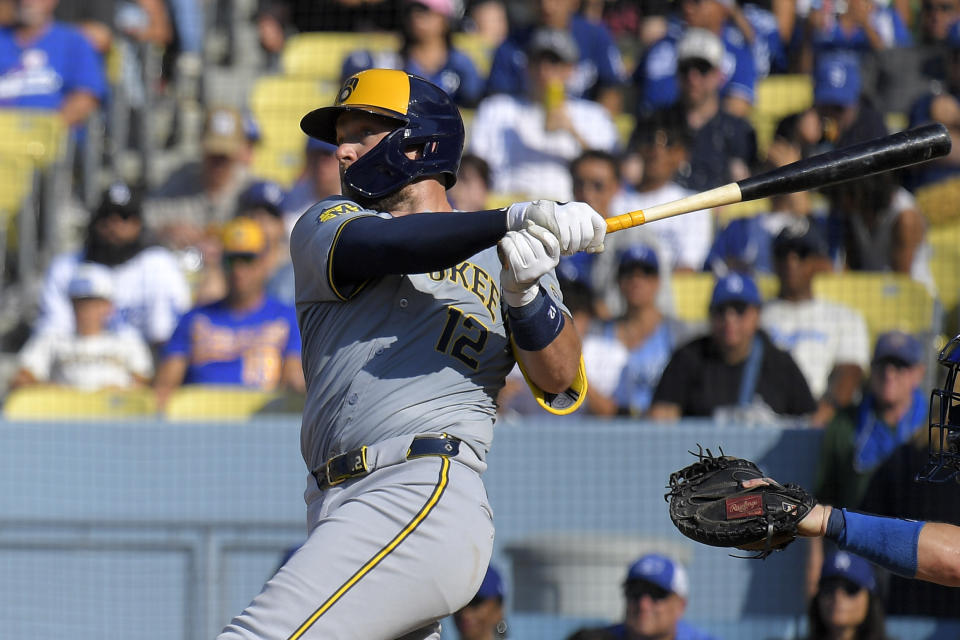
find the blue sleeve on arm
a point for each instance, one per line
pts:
(179, 342)
(889, 542)
(371, 247)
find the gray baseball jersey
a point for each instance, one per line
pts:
(398, 355)
(390, 553)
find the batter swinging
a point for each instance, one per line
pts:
(410, 325)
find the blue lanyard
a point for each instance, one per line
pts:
(748, 383)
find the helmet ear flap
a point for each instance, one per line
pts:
(943, 462)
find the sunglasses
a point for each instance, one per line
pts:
(238, 258)
(638, 268)
(738, 306)
(939, 7)
(701, 66)
(849, 587)
(636, 591)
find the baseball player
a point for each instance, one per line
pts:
(928, 551)
(410, 323)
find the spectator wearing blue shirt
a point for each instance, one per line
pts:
(598, 74)
(723, 147)
(941, 105)
(47, 65)
(427, 51)
(246, 339)
(858, 26)
(656, 76)
(656, 592)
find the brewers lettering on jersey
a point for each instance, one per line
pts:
(411, 316)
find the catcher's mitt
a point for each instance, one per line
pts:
(708, 504)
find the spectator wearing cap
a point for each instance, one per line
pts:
(598, 72)
(261, 201)
(203, 194)
(529, 140)
(735, 366)
(662, 144)
(320, 179)
(643, 333)
(426, 50)
(723, 146)
(846, 604)
(659, 74)
(45, 64)
(150, 291)
(828, 341)
(247, 338)
(92, 356)
(482, 617)
(656, 590)
(860, 437)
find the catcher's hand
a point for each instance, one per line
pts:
(710, 504)
(576, 226)
(527, 256)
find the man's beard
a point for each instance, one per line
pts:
(96, 250)
(400, 199)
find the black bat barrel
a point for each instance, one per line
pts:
(895, 151)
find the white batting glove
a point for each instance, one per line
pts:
(575, 224)
(527, 256)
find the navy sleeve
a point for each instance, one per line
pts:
(370, 246)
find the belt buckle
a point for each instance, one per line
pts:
(356, 462)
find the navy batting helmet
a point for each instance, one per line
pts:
(944, 462)
(426, 118)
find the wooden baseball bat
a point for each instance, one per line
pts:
(898, 150)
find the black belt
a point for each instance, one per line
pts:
(353, 464)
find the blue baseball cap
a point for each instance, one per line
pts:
(637, 255)
(491, 587)
(662, 571)
(849, 566)
(263, 194)
(575, 268)
(735, 287)
(836, 80)
(897, 345)
(319, 145)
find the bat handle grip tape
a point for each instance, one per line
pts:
(625, 221)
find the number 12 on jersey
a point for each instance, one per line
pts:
(463, 337)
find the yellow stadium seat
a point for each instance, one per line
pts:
(278, 103)
(741, 210)
(778, 96)
(479, 52)
(939, 201)
(888, 301)
(48, 402)
(203, 402)
(497, 200)
(945, 263)
(625, 123)
(691, 293)
(321, 55)
(38, 134)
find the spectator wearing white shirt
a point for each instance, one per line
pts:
(528, 141)
(91, 357)
(828, 341)
(150, 290)
(662, 144)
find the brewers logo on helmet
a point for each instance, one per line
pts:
(426, 118)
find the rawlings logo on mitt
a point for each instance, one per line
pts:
(709, 504)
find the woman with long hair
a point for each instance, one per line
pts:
(846, 605)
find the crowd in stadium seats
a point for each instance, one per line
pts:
(622, 105)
